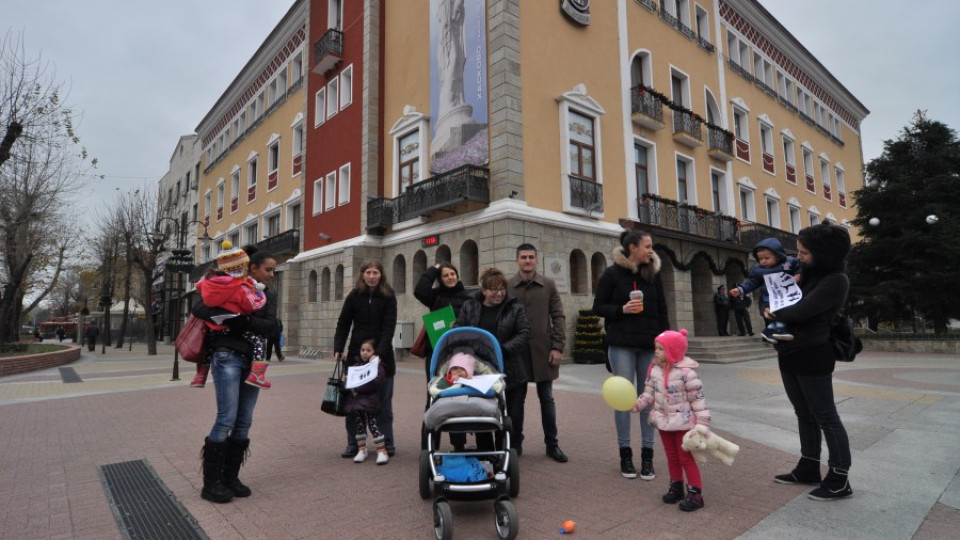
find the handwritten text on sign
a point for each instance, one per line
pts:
(358, 376)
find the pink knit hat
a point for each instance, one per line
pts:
(674, 345)
(464, 361)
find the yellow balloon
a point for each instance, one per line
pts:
(619, 393)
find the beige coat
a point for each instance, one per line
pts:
(547, 323)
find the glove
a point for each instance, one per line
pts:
(239, 323)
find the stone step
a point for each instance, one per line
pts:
(728, 350)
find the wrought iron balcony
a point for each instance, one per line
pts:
(767, 89)
(670, 215)
(751, 233)
(285, 243)
(686, 129)
(719, 143)
(705, 44)
(740, 70)
(646, 110)
(586, 194)
(328, 51)
(465, 184)
(649, 4)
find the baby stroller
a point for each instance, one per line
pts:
(492, 473)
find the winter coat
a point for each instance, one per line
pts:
(365, 398)
(547, 323)
(440, 383)
(824, 294)
(372, 316)
(634, 330)
(435, 298)
(232, 294)
(679, 404)
(755, 280)
(512, 332)
(721, 302)
(262, 322)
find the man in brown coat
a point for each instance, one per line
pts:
(547, 338)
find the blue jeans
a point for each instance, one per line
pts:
(235, 399)
(632, 364)
(384, 419)
(812, 400)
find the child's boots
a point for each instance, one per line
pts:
(694, 500)
(675, 493)
(258, 376)
(382, 456)
(200, 379)
(361, 450)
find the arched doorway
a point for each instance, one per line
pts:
(701, 293)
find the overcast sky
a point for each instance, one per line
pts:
(144, 73)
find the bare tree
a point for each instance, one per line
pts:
(41, 166)
(147, 239)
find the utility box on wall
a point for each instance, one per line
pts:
(403, 336)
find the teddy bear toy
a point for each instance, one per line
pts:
(700, 441)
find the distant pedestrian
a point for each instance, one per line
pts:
(38, 335)
(741, 313)
(61, 333)
(275, 342)
(721, 305)
(91, 334)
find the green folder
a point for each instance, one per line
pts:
(437, 322)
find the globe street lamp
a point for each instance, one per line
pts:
(180, 262)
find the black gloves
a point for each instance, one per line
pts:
(239, 323)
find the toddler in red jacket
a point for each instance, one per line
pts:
(230, 288)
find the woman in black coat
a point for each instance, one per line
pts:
(449, 292)
(371, 310)
(807, 362)
(496, 311)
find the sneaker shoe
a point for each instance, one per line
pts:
(361, 456)
(626, 463)
(767, 335)
(382, 458)
(785, 336)
(646, 464)
(693, 502)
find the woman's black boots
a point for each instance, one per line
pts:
(646, 464)
(213, 455)
(807, 471)
(626, 462)
(236, 453)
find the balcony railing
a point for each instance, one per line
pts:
(328, 51)
(720, 143)
(751, 233)
(695, 221)
(645, 108)
(687, 125)
(740, 70)
(285, 243)
(586, 194)
(668, 17)
(649, 4)
(767, 89)
(464, 184)
(705, 44)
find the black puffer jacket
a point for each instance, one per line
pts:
(635, 330)
(512, 331)
(372, 316)
(439, 297)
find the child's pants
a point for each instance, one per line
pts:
(363, 419)
(679, 461)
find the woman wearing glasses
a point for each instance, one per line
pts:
(496, 311)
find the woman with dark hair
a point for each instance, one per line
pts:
(230, 356)
(631, 300)
(807, 362)
(448, 292)
(370, 309)
(495, 310)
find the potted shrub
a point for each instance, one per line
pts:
(588, 345)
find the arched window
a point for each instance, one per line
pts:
(325, 285)
(338, 283)
(312, 287)
(598, 263)
(399, 274)
(419, 264)
(443, 254)
(469, 263)
(578, 272)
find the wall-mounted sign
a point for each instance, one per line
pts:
(577, 11)
(431, 241)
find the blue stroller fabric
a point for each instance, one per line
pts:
(462, 469)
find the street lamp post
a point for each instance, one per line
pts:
(180, 262)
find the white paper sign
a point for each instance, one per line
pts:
(483, 383)
(783, 290)
(358, 376)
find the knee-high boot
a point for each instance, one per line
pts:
(213, 458)
(237, 451)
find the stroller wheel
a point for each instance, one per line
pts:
(443, 520)
(508, 525)
(425, 474)
(513, 473)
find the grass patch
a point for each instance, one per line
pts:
(20, 349)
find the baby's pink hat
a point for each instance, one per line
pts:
(674, 344)
(465, 361)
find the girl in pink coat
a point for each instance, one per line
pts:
(676, 393)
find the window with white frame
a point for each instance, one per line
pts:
(802, 101)
(825, 177)
(234, 189)
(207, 203)
(260, 106)
(242, 121)
(741, 130)
(346, 86)
(282, 82)
(293, 216)
(273, 157)
(235, 132)
(685, 181)
(333, 97)
(234, 238)
(272, 92)
(773, 212)
(794, 218)
(320, 107)
(716, 189)
(273, 225)
(808, 170)
(335, 14)
(814, 217)
(680, 88)
(317, 196)
(747, 210)
(205, 253)
(344, 187)
(251, 233)
(836, 128)
(841, 185)
(683, 12)
(766, 147)
(582, 167)
(330, 191)
(582, 146)
(296, 66)
(409, 148)
(220, 190)
(252, 179)
(703, 24)
(641, 164)
(298, 140)
(789, 159)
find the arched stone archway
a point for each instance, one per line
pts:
(701, 296)
(598, 263)
(443, 254)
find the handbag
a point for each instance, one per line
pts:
(421, 345)
(333, 398)
(190, 340)
(845, 344)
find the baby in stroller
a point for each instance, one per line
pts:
(452, 399)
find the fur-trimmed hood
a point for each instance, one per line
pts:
(647, 271)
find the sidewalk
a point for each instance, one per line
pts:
(900, 410)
